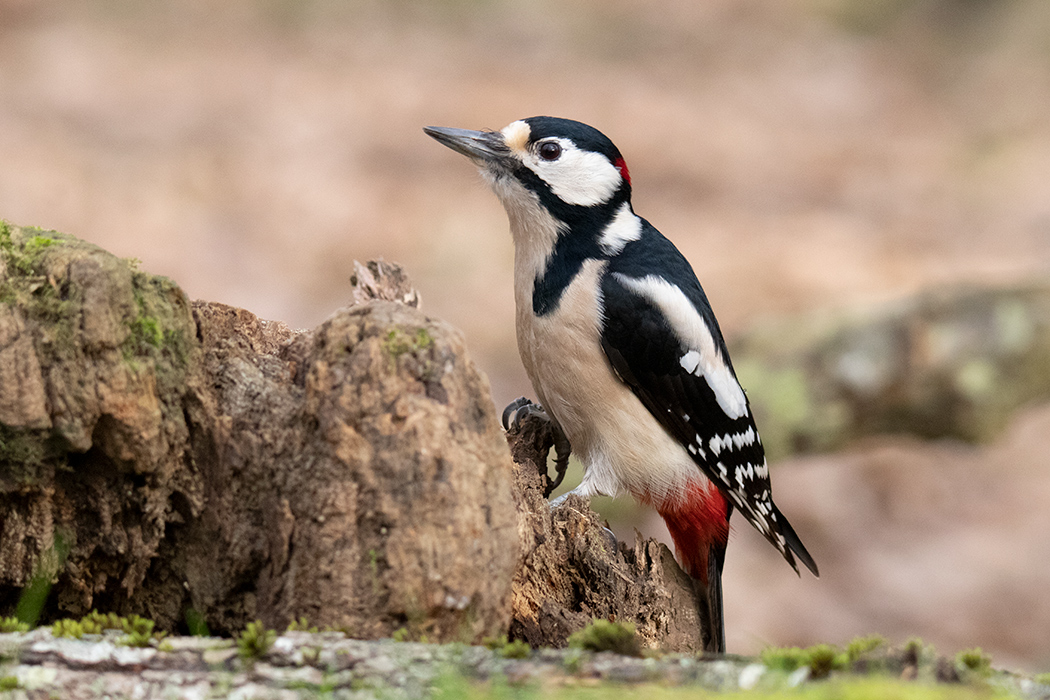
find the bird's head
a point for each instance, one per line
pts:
(567, 165)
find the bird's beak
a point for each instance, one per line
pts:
(482, 147)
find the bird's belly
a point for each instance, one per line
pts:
(621, 445)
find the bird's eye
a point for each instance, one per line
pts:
(550, 150)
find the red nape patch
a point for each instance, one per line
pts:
(621, 165)
(694, 525)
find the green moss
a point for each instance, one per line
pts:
(400, 635)
(109, 621)
(1042, 679)
(454, 685)
(26, 448)
(13, 624)
(155, 329)
(301, 625)
(71, 629)
(494, 643)
(919, 649)
(45, 569)
(517, 649)
(196, 623)
(603, 635)
(821, 659)
(784, 658)
(859, 646)
(9, 683)
(974, 661)
(398, 342)
(255, 640)
(24, 258)
(138, 631)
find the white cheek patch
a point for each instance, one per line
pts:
(582, 178)
(703, 358)
(624, 228)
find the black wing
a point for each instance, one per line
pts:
(704, 410)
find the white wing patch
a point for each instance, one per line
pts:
(703, 358)
(624, 227)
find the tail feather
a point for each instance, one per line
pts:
(794, 544)
(709, 602)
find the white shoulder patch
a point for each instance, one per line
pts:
(702, 357)
(624, 227)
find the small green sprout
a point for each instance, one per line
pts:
(603, 635)
(255, 640)
(70, 629)
(196, 623)
(821, 659)
(139, 632)
(97, 622)
(824, 658)
(859, 646)
(518, 649)
(494, 643)
(974, 661)
(13, 624)
(301, 625)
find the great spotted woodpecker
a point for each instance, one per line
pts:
(623, 349)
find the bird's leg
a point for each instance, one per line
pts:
(521, 410)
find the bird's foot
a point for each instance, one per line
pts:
(521, 410)
(518, 410)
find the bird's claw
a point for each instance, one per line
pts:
(517, 410)
(521, 408)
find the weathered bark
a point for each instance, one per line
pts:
(156, 458)
(573, 570)
(98, 359)
(355, 476)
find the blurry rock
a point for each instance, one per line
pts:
(955, 362)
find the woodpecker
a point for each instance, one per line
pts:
(623, 349)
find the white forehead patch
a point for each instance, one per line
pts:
(516, 136)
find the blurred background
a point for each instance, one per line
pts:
(804, 155)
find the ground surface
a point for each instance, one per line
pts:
(802, 155)
(300, 665)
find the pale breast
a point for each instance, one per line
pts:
(619, 442)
